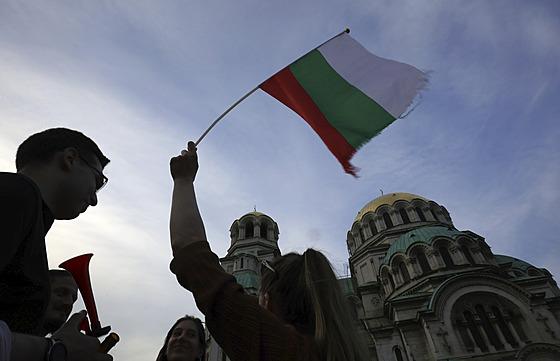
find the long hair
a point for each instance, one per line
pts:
(307, 294)
(162, 354)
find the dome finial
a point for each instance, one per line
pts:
(381, 190)
(255, 208)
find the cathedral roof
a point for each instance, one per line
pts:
(346, 286)
(423, 234)
(515, 262)
(248, 280)
(256, 214)
(388, 199)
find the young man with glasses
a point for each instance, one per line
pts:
(59, 172)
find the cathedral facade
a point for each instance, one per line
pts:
(420, 288)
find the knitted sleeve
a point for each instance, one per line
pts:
(244, 329)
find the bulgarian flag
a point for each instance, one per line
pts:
(346, 94)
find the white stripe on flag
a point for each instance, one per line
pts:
(392, 84)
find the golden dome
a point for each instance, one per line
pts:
(388, 199)
(255, 213)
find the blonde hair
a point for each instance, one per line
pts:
(308, 296)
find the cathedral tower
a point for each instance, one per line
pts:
(254, 238)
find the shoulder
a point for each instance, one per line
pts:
(18, 195)
(18, 186)
(20, 204)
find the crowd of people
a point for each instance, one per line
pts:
(300, 313)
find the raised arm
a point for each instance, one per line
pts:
(186, 226)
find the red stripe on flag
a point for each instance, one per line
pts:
(285, 88)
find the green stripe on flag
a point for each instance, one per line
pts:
(355, 115)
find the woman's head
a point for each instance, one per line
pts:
(285, 287)
(184, 341)
(305, 292)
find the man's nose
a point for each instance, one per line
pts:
(67, 302)
(93, 200)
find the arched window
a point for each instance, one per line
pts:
(423, 261)
(264, 230)
(518, 273)
(467, 254)
(404, 215)
(446, 256)
(249, 229)
(372, 227)
(241, 263)
(398, 354)
(391, 282)
(487, 326)
(471, 325)
(433, 214)
(362, 235)
(503, 326)
(387, 220)
(420, 214)
(404, 271)
(467, 340)
(351, 243)
(485, 320)
(234, 233)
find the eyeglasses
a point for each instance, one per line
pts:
(266, 265)
(100, 178)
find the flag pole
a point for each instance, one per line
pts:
(224, 113)
(347, 31)
(258, 86)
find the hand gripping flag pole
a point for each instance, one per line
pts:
(345, 93)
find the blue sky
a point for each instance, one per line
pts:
(144, 77)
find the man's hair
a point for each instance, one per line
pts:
(58, 273)
(41, 147)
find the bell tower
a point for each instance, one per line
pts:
(254, 238)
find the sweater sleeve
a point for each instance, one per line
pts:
(244, 329)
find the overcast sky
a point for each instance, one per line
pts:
(143, 77)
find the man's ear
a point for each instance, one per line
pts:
(68, 158)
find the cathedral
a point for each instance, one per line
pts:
(420, 289)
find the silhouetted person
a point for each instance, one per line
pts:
(185, 341)
(59, 172)
(300, 314)
(64, 293)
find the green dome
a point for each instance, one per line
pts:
(423, 234)
(515, 262)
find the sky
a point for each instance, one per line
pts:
(143, 77)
